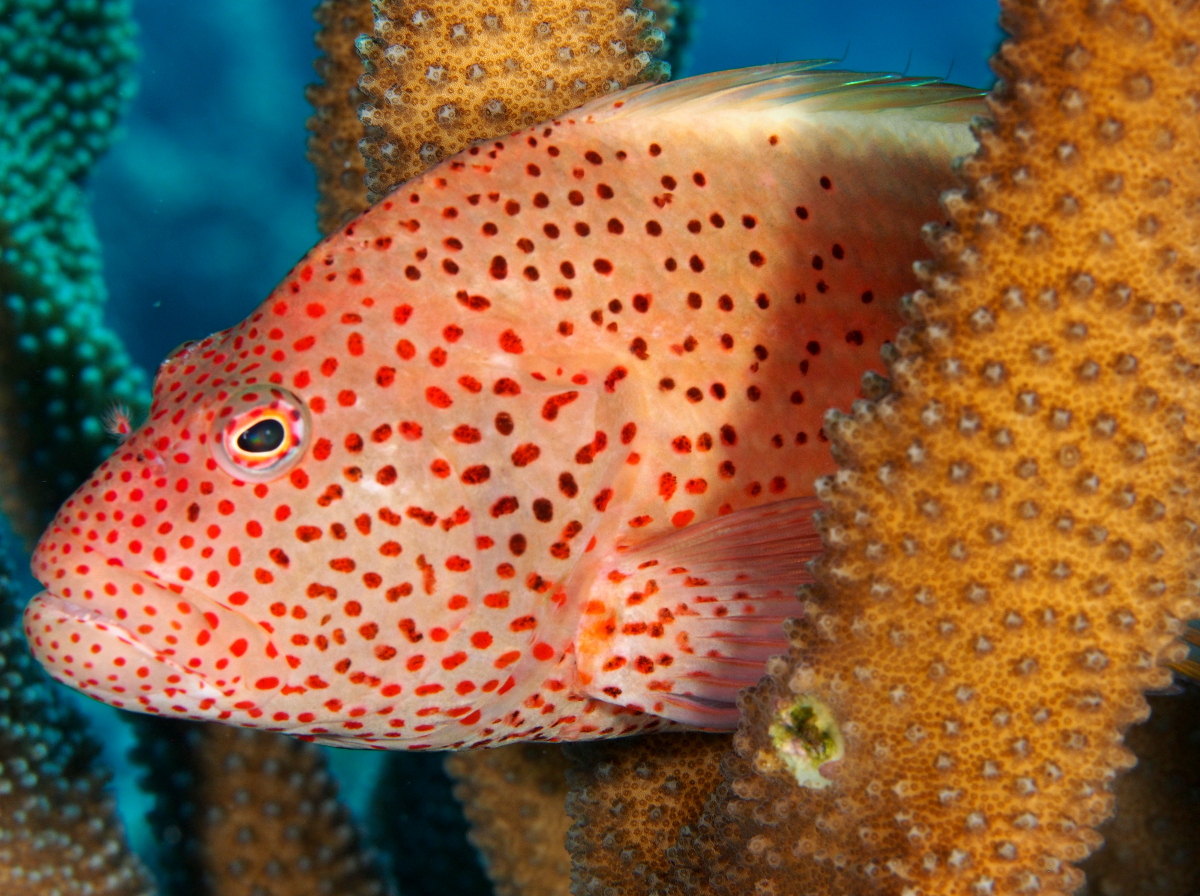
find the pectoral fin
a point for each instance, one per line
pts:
(678, 625)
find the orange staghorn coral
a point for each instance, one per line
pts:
(628, 799)
(1012, 537)
(443, 73)
(513, 797)
(1150, 846)
(334, 125)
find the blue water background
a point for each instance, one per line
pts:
(207, 200)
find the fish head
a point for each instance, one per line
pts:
(311, 535)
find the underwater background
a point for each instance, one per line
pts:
(206, 199)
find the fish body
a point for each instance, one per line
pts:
(526, 451)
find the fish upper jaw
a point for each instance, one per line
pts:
(137, 643)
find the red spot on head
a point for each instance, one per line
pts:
(511, 342)
(437, 397)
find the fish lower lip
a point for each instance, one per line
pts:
(88, 650)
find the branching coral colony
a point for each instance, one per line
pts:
(1011, 541)
(65, 72)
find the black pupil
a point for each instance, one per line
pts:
(263, 436)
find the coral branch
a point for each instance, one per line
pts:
(444, 73)
(513, 797)
(248, 813)
(336, 130)
(65, 73)
(1011, 540)
(59, 831)
(628, 798)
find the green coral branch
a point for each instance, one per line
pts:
(66, 72)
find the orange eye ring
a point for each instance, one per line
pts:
(260, 433)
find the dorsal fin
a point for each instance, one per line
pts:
(801, 83)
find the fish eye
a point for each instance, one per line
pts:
(262, 437)
(260, 433)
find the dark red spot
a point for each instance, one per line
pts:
(554, 402)
(756, 258)
(615, 376)
(511, 342)
(468, 435)
(826, 183)
(525, 454)
(504, 423)
(499, 267)
(437, 397)
(653, 228)
(504, 506)
(567, 485)
(854, 337)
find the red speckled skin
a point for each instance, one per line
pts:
(591, 333)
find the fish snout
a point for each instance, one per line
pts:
(136, 643)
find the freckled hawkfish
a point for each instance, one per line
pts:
(527, 450)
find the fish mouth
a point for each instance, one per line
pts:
(129, 640)
(94, 653)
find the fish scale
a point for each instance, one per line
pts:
(526, 451)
